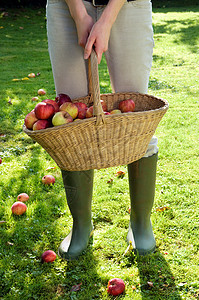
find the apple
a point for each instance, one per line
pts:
(104, 106)
(30, 119)
(82, 108)
(115, 112)
(52, 102)
(62, 98)
(35, 98)
(44, 111)
(41, 92)
(61, 118)
(107, 113)
(48, 256)
(42, 124)
(116, 286)
(31, 75)
(48, 179)
(18, 208)
(0, 160)
(89, 112)
(70, 108)
(127, 105)
(23, 197)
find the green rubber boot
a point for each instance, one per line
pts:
(79, 189)
(142, 177)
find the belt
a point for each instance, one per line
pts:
(102, 2)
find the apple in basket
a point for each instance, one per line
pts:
(82, 108)
(127, 105)
(104, 106)
(49, 101)
(42, 124)
(61, 118)
(30, 119)
(70, 108)
(62, 98)
(89, 112)
(44, 111)
(115, 112)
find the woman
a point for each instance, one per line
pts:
(122, 30)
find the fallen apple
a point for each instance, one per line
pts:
(41, 92)
(48, 179)
(116, 286)
(70, 108)
(52, 102)
(115, 112)
(61, 118)
(35, 98)
(31, 75)
(127, 105)
(82, 108)
(62, 98)
(44, 111)
(19, 208)
(89, 112)
(23, 197)
(30, 119)
(48, 256)
(42, 124)
(0, 160)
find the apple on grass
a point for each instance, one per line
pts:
(127, 105)
(62, 98)
(0, 160)
(48, 179)
(52, 102)
(23, 197)
(19, 208)
(42, 124)
(82, 108)
(31, 75)
(61, 118)
(35, 98)
(30, 119)
(116, 286)
(48, 256)
(70, 108)
(44, 111)
(41, 92)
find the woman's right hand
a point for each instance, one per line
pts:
(84, 26)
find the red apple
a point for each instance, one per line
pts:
(42, 124)
(44, 111)
(31, 75)
(41, 92)
(89, 112)
(48, 179)
(70, 108)
(49, 101)
(115, 112)
(18, 208)
(48, 256)
(62, 98)
(61, 118)
(127, 105)
(104, 106)
(35, 98)
(116, 286)
(30, 119)
(82, 108)
(0, 160)
(23, 197)
(107, 113)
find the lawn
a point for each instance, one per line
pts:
(172, 272)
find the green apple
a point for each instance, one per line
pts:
(61, 118)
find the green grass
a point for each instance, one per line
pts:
(174, 268)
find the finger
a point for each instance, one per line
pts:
(88, 48)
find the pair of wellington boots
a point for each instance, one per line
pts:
(79, 187)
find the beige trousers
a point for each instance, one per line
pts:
(129, 54)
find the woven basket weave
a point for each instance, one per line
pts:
(104, 140)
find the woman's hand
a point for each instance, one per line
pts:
(84, 26)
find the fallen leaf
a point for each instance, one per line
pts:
(50, 168)
(120, 174)
(133, 287)
(150, 283)
(76, 287)
(1, 27)
(10, 244)
(38, 74)
(129, 248)
(182, 283)
(15, 79)
(25, 78)
(10, 101)
(21, 27)
(162, 208)
(110, 180)
(2, 222)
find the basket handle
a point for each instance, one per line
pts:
(94, 88)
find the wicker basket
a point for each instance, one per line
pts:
(104, 140)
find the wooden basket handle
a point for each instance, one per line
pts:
(94, 88)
